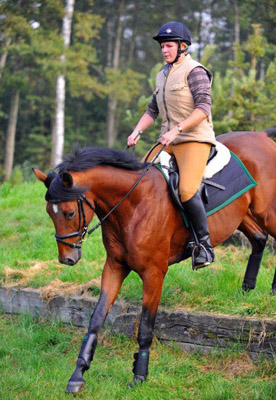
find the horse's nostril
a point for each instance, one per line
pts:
(67, 260)
(70, 261)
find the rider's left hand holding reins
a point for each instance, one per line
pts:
(194, 119)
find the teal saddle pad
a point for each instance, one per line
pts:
(230, 183)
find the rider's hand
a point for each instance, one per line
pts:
(133, 138)
(169, 136)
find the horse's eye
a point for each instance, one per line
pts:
(69, 214)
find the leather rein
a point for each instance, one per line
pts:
(82, 216)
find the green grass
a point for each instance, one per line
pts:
(28, 257)
(37, 359)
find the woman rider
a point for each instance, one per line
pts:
(182, 97)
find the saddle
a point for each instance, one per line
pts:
(218, 158)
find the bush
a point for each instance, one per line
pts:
(16, 176)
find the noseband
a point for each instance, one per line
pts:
(79, 233)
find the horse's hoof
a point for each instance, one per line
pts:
(273, 291)
(75, 386)
(138, 379)
(246, 287)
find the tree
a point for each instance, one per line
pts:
(110, 63)
(112, 99)
(20, 36)
(242, 90)
(23, 29)
(58, 126)
(11, 129)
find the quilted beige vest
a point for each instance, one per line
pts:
(175, 102)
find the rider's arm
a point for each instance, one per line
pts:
(200, 87)
(145, 122)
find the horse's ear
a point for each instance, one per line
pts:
(67, 179)
(46, 179)
(40, 175)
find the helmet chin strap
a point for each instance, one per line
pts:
(179, 52)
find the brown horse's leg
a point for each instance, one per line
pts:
(267, 221)
(152, 289)
(274, 284)
(112, 279)
(257, 238)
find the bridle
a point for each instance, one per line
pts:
(82, 215)
(78, 233)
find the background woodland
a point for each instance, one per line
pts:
(83, 71)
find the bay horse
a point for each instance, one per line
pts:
(146, 232)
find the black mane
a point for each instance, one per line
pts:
(89, 157)
(81, 160)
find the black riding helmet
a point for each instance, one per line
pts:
(175, 32)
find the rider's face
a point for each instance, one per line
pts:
(169, 51)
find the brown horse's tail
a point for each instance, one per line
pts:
(271, 132)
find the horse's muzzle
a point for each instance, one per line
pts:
(70, 258)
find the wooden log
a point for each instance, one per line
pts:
(192, 331)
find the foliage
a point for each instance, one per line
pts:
(30, 35)
(16, 177)
(123, 85)
(240, 96)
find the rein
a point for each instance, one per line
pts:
(83, 198)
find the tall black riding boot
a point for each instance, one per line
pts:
(203, 253)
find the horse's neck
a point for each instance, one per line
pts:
(110, 184)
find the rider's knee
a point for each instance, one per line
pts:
(186, 193)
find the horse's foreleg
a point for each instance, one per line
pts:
(112, 279)
(273, 289)
(257, 238)
(152, 289)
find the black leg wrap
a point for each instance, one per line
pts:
(85, 357)
(140, 365)
(252, 269)
(87, 350)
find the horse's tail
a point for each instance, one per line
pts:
(271, 132)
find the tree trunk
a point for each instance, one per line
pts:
(237, 42)
(11, 130)
(58, 126)
(4, 56)
(109, 46)
(112, 101)
(237, 22)
(133, 34)
(199, 27)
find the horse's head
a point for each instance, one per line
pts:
(70, 211)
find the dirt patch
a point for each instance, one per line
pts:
(231, 367)
(14, 277)
(57, 288)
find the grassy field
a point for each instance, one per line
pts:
(37, 359)
(28, 258)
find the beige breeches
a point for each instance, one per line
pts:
(191, 158)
